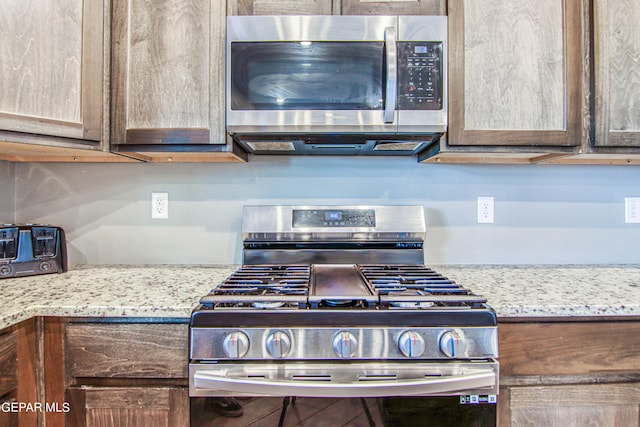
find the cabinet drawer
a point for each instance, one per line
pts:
(128, 406)
(127, 350)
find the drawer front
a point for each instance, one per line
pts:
(127, 350)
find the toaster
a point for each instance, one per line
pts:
(30, 249)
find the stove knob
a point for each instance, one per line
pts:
(236, 344)
(345, 344)
(278, 344)
(452, 344)
(411, 344)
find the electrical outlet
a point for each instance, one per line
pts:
(485, 210)
(632, 210)
(159, 205)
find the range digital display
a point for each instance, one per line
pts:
(334, 218)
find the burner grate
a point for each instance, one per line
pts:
(262, 287)
(417, 286)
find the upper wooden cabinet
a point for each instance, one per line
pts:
(516, 78)
(336, 7)
(615, 121)
(617, 73)
(51, 68)
(52, 74)
(393, 7)
(167, 78)
(280, 7)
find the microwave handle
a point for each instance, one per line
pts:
(391, 51)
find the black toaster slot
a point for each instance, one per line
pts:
(44, 241)
(8, 243)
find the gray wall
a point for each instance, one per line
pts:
(7, 192)
(543, 213)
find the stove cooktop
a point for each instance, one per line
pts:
(353, 293)
(339, 285)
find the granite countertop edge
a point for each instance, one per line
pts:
(172, 291)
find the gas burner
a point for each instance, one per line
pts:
(415, 294)
(267, 305)
(417, 286)
(338, 303)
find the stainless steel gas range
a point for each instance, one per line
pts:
(335, 301)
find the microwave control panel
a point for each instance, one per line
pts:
(420, 80)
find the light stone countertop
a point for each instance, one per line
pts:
(172, 291)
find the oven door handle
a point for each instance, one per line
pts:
(445, 385)
(391, 51)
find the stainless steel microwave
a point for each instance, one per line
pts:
(336, 84)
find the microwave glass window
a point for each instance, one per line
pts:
(307, 76)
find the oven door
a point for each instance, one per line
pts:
(311, 73)
(382, 394)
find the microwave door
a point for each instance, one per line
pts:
(310, 74)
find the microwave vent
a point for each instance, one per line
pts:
(397, 145)
(271, 145)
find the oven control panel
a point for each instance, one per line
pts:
(333, 218)
(343, 343)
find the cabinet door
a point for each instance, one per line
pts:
(168, 65)
(8, 377)
(617, 73)
(8, 365)
(128, 406)
(393, 7)
(280, 7)
(51, 72)
(613, 405)
(515, 72)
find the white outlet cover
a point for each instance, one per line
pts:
(159, 205)
(485, 210)
(632, 210)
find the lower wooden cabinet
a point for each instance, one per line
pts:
(126, 374)
(552, 373)
(611, 405)
(8, 378)
(128, 406)
(569, 373)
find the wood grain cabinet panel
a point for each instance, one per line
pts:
(517, 81)
(568, 348)
(612, 405)
(167, 76)
(280, 7)
(8, 376)
(8, 363)
(127, 350)
(168, 81)
(568, 374)
(393, 7)
(51, 73)
(515, 74)
(617, 73)
(128, 407)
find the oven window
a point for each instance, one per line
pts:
(307, 75)
(311, 411)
